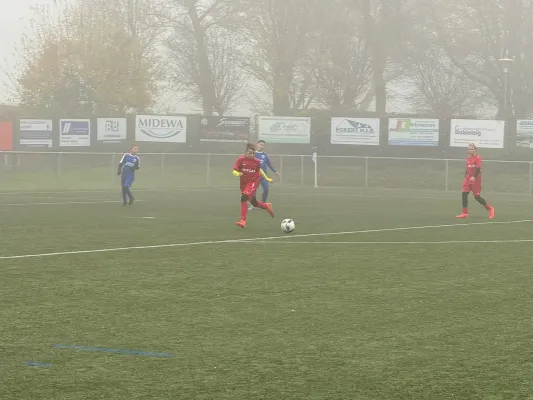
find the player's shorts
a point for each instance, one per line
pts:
(126, 180)
(474, 187)
(249, 189)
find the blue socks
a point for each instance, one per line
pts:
(126, 194)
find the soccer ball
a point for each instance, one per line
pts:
(287, 225)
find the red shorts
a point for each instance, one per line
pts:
(474, 187)
(249, 189)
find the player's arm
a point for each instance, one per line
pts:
(237, 167)
(477, 171)
(119, 171)
(269, 164)
(265, 176)
(137, 163)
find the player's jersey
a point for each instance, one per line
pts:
(129, 163)
(472, 163)
(250, 168)
(264, 160)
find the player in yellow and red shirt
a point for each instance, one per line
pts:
(472, 182)
(248, 168)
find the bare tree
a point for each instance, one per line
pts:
(475, 34)
(385, 24)
(440, 91)
(278, 34)
(223, 91)
(343, 69)
(202, 63)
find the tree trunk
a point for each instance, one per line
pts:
(207, 88)
(282, 77)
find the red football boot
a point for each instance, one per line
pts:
(241, 223)
(492, 212)
(269, 209)
(462, 216)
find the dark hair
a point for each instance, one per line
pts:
(261, 141)
(250, 146)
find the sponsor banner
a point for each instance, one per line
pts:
(524, 133)
(35, 132)
(284, 129)
(111, 130)
(6, 136)
(359, 131)
(74, 133)
(483, 133)
(160, 128)
(225, 129)
(413, 132)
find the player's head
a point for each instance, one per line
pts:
(134, 149)
(260, 145)
(250, 150)
(472, 149)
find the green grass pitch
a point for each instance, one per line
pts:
(350, 316)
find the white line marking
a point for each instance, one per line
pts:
(260, 239)
(429, 242)
(63, 203)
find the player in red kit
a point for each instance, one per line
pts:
(472, 182)
(248, 168)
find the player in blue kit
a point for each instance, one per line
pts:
(265, 165)
(129, 163)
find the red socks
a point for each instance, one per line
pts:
(465, 210)
(244, 210)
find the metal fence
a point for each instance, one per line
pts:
(47, 171)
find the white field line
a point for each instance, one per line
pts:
(255, 240)
(62, 203)
(429, 242)
(42, 199)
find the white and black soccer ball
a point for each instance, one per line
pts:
(287, 225)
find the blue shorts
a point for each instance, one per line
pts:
(126, 180)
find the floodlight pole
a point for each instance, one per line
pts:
(505, 63)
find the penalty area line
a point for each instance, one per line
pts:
(254, 240)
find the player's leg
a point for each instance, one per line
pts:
(124, 190)
(264, 195)
(264, 206)
(247, 192)
(244, 211)
(477, 195)
(127, 184)
(265, 187)
(464, 198)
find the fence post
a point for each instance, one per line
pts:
(208, 168)
(530, 175)
(315, 162)
(58, 163)
(446, 177)
(366, 171)
(162, 165)
(302, 170)
(280, 170)
(113, 167)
